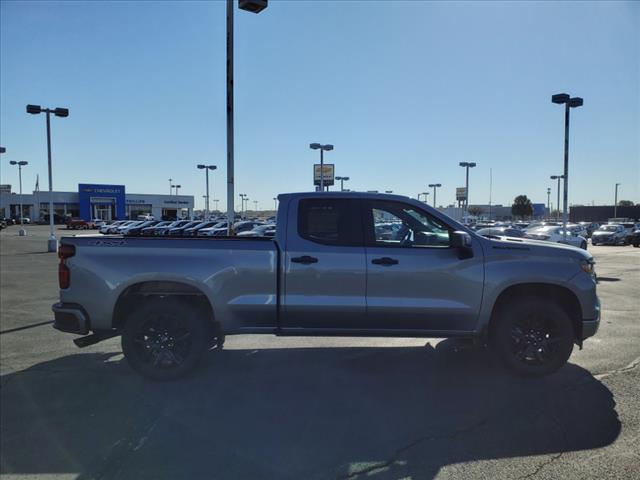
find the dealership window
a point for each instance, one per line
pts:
(135, 211)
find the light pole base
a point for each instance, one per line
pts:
(22, 232)
(52, 245)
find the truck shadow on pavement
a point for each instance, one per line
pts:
(311, 413)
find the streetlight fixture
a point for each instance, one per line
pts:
(170, 186)
(206, 169)
(20, 164)
(549, 201)
(177, 187)
(557, 177)
(215, 200)
(615, 202)
(52, 243)
(434, 186)
(569, 103)
(275, 203)
(322, 148)
(388, 191)
(3, 150)
(342, 180)
(467, 165)
(254, 6)
(255, 205)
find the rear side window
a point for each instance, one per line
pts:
(330, 221)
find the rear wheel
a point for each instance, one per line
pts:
(532, 336)
(164, 338)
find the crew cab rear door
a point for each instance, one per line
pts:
(324, 265)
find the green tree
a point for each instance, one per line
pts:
(625, 203)
(521, 207)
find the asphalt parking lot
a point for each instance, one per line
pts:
(312, 408)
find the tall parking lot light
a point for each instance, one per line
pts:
(275, 203)
(557, 177)
(569, 103)
(177, 187)
(206, 169)
(215, 200)
(52, 244)
(322, 148)
(242, 197)
(3, 150)
(548, 201)
(170, 186)
(20, 164)
(434, 186)
(255, 205)
(342, 180)
(615, 202)
(467, 165)
(254, 6)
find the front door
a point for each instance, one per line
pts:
(416, 280)
(324, 262)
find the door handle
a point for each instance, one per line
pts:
(386, 261)
(305, 259)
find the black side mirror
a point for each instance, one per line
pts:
(461, 241)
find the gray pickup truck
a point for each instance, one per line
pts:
(350, 264)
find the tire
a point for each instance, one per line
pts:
(164, 338)
(583, 245)
(518, 336)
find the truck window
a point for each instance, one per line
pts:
(330, 221)
(396, 224)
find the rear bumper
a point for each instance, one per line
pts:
(70, 318)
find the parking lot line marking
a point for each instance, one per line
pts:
(17, 329)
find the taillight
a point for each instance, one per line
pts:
(64, 274)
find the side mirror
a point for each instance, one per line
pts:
(461, 241)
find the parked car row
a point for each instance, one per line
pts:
(187, 228)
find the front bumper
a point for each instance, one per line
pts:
(70, 318)
(590, 326)
(604, 240)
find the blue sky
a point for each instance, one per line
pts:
(404, 90)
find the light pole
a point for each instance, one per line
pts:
(215, 200)
(275, 204)
(177, 187)
(254, 6)
(434, 185)
(52, 244)
(467, 165)
(242, 197)
(170, 186)
(569, 103)
(206, 169)
(557, 177)
(549, 201)
(342, 180)
(21, 164)
(322, 148)
(615, 202)
(255, 205)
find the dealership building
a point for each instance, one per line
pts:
(91, 201)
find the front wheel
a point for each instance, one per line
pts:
(532, 336)
(164, 338)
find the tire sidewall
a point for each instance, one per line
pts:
(502, 342)
(192, 318)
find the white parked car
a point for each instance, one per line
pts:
(98, 222)
(555, 234)
(123, 228)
